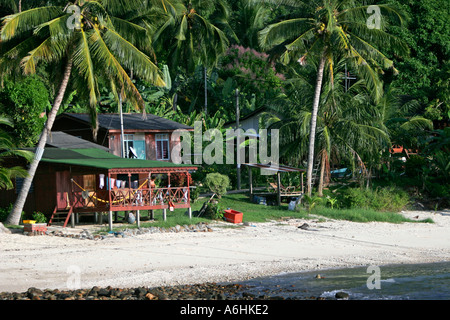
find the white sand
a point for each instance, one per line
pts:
(225, 255)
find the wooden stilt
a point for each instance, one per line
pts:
(190, 212)
(138, 218)
(110, 220)
(250, 180)
(164, 214)
(72, 220)
(278, 188)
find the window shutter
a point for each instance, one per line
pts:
(165, 149)
(159, 150)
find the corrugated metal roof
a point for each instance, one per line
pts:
(281, 168)
(96, 158)
(131, 121)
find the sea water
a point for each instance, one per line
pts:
(391, 282)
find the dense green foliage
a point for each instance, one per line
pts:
(9, 150)
(264, 50)
(25, 102)
(217, 183)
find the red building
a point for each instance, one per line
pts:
(74, 182)
(147, 138)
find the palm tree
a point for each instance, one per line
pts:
(189, 37)
(8, 149)
(348, 124)
(94, 42)
(323, 29)
(249, 18)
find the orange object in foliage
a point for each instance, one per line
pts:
(233, 216)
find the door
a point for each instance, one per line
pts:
(62, 189)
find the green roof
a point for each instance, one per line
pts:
(97, 158)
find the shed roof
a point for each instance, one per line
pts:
(131, 121)
(279, 167)
(96, 158)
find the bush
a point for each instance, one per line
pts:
(39, 217)
(4, 212)
(213, 211)
(414, 166)
(380, 199)
(217, 183)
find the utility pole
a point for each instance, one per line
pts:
(122, 136)
(206, 90)
(238, 158)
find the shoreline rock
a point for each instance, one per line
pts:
(205, 291)
(129, 232)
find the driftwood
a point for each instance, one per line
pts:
(205, 205)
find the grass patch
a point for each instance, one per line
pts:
(256, 212)
(364, 215)
(261, 213)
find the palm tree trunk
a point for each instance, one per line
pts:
(312, 134)
(14, 216)
(322, 173)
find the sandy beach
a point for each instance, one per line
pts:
(229, 253)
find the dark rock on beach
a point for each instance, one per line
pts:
(129, 232)
(341, 295)
(206, 291)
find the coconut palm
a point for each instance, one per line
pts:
(90, 41)
(349, 125)
(323, 29)
(249, 18)
(189, 37)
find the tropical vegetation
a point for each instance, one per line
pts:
(343, 81)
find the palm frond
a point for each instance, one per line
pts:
(83, 62)
(132, 58)
(16, 24)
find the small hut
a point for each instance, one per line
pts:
(74, 182)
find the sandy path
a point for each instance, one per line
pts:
(227, 254)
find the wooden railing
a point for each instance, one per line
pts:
(132, 199)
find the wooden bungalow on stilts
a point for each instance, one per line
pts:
(75, 182)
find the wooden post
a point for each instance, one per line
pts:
(152, 215)
(72, 220)
(190, 212)
(164, 214)
(303, 189)
(110, 220)
(138, 218)
(238, 167)
(109, 192)
(278, 188)
(250, 180)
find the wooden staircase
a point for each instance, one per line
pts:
(315, 171)
(61, 215)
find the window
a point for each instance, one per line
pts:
(89, 182)
(162, 146)
(134, 146)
